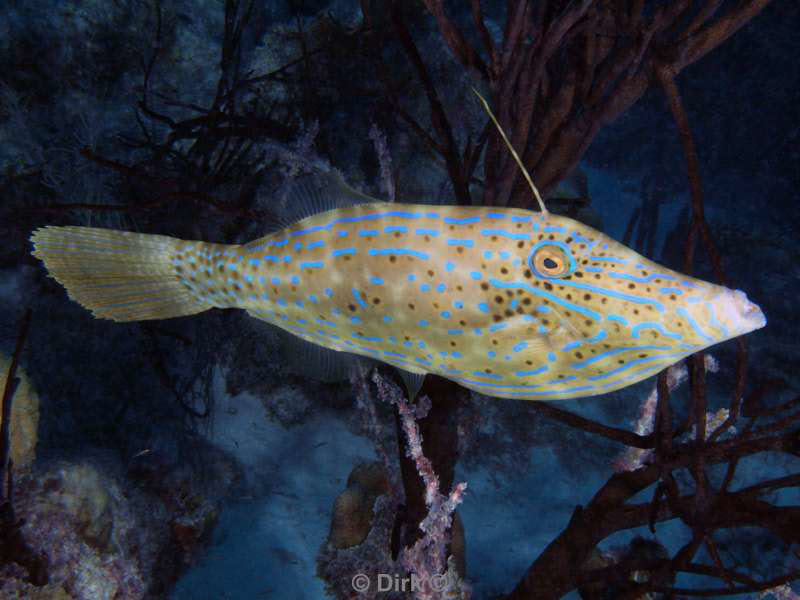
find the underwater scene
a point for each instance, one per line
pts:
(399, 299)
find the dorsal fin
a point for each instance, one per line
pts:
(525, 173)
(315, 191)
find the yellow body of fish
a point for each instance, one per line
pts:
(507, 302)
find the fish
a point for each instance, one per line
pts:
(504, 301)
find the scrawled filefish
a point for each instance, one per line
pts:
(505, 301)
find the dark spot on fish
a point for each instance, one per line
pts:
(644, 273)
(551, 237)
(578, 274)
(636, 311)
(672, 297)
(526, 301)
(346, 257)
(497, 318)
(654, 334)
(352, 307)
(578, 355)
(631, 286)
(237, 287)
(411, 306)
(606, 346)
(397, 234)
(462, 322)
(588, 322)
(487, 370)
(582, 246)
(294, 289)
(504, 270)
(484, 286)
(509, 293)
(620, 361)
(568, 240)
(510, 313)
(548, 285)
(460, 250)
(603, 300)
(494, 342)
(452, 344)
(274, 290)
(406, 338)
(519, 225)
(435, 305)
(376, 300)
(452, 227)
(569, 296)
(587, 297)
(392, 258)
(541, 236)
(520, 244)
(519, 292)
(494, 238)
(427, 238)
(597, 275)
(528, 273)
(430, 273)
(498, 299)
(459, 288)
(643, 356)
(528, 362)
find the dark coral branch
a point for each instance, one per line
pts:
(12, 381)
(553, 574)
(622, 436)
(13, 547)
(441, 124)
(701, 43)
(455, 40)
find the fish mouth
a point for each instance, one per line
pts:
(739, 312)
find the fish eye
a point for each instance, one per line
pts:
(551, 261)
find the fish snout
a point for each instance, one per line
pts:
(736, 310)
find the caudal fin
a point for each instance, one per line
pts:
(117, 275)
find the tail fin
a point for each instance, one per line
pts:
(118, 275)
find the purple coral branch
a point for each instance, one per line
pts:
(378, 138)
(427, 558)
